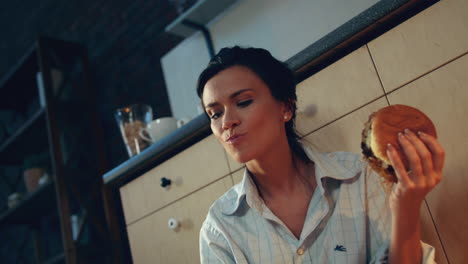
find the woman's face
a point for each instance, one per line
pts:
(245, 117)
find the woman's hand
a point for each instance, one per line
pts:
(426, 161)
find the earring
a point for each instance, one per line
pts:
(285, 117)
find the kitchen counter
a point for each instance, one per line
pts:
(371, 23)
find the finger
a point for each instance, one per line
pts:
(412, 156)
(423, 152)
(438, 153)
(398, 166)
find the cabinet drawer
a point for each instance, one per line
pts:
(151, 239)
(188, 171)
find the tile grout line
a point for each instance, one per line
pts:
(428, 72)
(360, 107)
(401, 86)
(378, 75)
(341, 116)
(397, 88)
(384, 95)
(437, 231)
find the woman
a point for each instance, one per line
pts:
(294, 204)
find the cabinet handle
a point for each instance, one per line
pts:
(165, 182)
(173, 223)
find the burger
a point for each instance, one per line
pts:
(382, 128)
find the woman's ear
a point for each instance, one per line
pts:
(287, 111)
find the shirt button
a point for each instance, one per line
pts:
(300, 251)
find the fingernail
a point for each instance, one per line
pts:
(400, 135)
(421, 134)
(389, 146)
(407, 131)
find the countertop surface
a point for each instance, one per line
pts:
(356, 32)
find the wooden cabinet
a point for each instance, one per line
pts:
(337, 90)
(442, 94)
(188, 171)
(152, 241)
(345, 134)
(426, 41)
(421, 62)
(339, 115)
(199, 175)
(424, 62)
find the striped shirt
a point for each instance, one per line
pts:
(348, 220)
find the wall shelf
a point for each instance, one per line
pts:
(19, 85)
(60, 114)
(56, 259)
(32, 207)
(30, 138)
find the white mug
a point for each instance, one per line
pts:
(161, 127)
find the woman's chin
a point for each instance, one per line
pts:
(241, 157)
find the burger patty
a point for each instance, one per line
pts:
(381, 167)
(369, 155)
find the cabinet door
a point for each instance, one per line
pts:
(424, 42)
(442, 95)
(337, 90)
(345, 133)
(152, 241)
(188, 171)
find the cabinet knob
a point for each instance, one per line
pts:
(173, 223)
(165, 182)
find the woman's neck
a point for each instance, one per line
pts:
(278, 173)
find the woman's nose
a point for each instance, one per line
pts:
(230, 120)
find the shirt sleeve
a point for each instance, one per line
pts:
(379, 221)
(382, 255)
(214, 248)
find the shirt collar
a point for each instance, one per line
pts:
(326, 166)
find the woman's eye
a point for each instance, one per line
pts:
(244, 103)
(215, 116)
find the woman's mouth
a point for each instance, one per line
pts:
(235, 139)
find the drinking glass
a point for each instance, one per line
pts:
(131, 120)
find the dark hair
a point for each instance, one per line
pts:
(274, 73)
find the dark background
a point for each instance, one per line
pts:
(125, 41)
